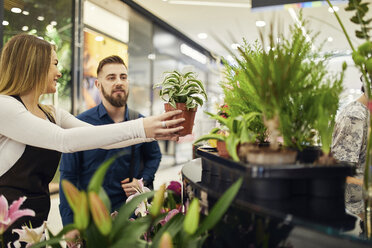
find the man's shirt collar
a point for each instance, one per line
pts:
(102, 112)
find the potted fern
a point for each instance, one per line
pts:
(184, 92)
(285, 82)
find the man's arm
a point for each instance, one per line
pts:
(69, 169)
(151, 156)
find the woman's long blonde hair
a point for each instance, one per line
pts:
(24, 65)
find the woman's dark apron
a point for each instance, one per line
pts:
(30, 176)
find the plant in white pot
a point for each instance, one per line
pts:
(184, 92)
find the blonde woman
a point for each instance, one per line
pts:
(32, 136)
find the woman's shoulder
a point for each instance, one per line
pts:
(6, 98)
(7, 102)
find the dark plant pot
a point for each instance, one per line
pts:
(328, 187)
(273, 189)
(188, 114)
(309, 154)
(299, 187)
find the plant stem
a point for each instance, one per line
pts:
(342, 26)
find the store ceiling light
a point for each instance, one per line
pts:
(24, 28)
(25, 12)
(330, 39)
(260, 24)
(41, 18)
(5, 23)
(16, 10)
(211, 4)
(202, 36)
(192, 53)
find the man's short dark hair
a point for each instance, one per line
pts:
(113, 59)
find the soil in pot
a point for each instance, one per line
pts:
(188, 114)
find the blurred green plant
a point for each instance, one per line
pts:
(181, 230)
(63, 46)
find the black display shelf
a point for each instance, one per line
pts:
(299, 221)
(276, 181)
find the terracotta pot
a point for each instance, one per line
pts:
(221, 148)
(267, 156)
(188, 114)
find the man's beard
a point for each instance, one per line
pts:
(118, 101)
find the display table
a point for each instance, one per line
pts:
(251, 222)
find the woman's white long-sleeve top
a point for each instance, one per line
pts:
(19, 127)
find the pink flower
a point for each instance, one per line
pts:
(169, 216)
(9, 216)
(175, 187)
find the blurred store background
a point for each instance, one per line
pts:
(155, 36)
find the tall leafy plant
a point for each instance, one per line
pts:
(285, 82)
(240, 96)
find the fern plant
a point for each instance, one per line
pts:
(182, 88)
(239, 94)
(285, 82)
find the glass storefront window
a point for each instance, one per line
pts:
(97, 46)
(140, 63)
(50, 20)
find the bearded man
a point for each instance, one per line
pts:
(138, 161)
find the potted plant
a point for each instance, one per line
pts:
(285, 82)
(234, 131)
(184, 92)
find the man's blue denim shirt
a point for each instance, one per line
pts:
(79, 167)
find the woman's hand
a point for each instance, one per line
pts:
(161, 127)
